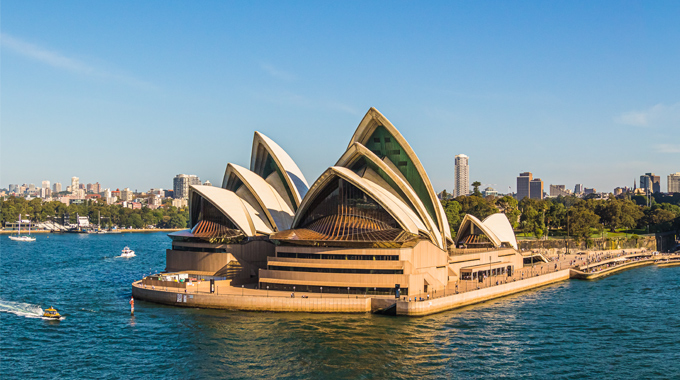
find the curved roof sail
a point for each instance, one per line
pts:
(397, 209)
(382, 138)
(495, 227)
(239, 179)
(358, 157)
(238, 211)
(271, 162)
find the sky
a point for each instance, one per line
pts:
(129, 93)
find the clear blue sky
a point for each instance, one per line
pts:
(132, 93)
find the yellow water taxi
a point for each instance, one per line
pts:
(51, 313)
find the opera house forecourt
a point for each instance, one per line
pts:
(368, 234)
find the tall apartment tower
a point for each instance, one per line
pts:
(45, 184)
(674, 183)
(181, 183)
(650, 182)
(536, 189)
(462, 174)
(75, 184)
(523, 188)
(578, 188)
(56, 188)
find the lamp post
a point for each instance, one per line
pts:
(267, 290)
(348, 292)
(242, 290)
(293, 290)
(321, 291)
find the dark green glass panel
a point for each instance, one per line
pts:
(383, 144)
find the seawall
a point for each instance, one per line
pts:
(252, 303)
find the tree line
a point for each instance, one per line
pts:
(570, 216)
(36, 210)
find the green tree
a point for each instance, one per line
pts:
(454, 215)
(582, 220)
(475, 187)
(509, 206)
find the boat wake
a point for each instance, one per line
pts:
(22, 309)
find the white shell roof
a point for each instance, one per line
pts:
(294, 177)
(358, 149)
(233, 207)
(276, 208)
(496, 227)
(500, 225)
(403, 214)
(371, 120)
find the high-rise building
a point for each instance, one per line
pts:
(578, 188)
(181, 183)
(674, 183)
(650, 182)
(126, 195)
(75, 182)
(56, 188)
(559, 190)
(523, 189)
(536, 189)
(96, 188)
(462, 174)
(45, 184)
(13, 188)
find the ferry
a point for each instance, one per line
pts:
(51, 313)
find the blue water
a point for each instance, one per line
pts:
(625, 326)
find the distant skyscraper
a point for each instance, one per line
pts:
(536, 189)
(75, 184)
(56, 188)
(578, 189)
(650, 182)
(181, 183)
(45, 184)
(13, 188)
(674, 183)
(523, 189)
(462, 174)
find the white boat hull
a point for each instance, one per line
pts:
(22, 238)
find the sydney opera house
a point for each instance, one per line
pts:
(369, 224)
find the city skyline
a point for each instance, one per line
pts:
(593, 105)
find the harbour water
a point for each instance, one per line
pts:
(623, 326)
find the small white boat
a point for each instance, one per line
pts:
(22, 238)
(127, 252)
(25, 237)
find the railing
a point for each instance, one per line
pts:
(463, 286)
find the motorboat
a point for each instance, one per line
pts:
(51, 313)
(127, 252)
